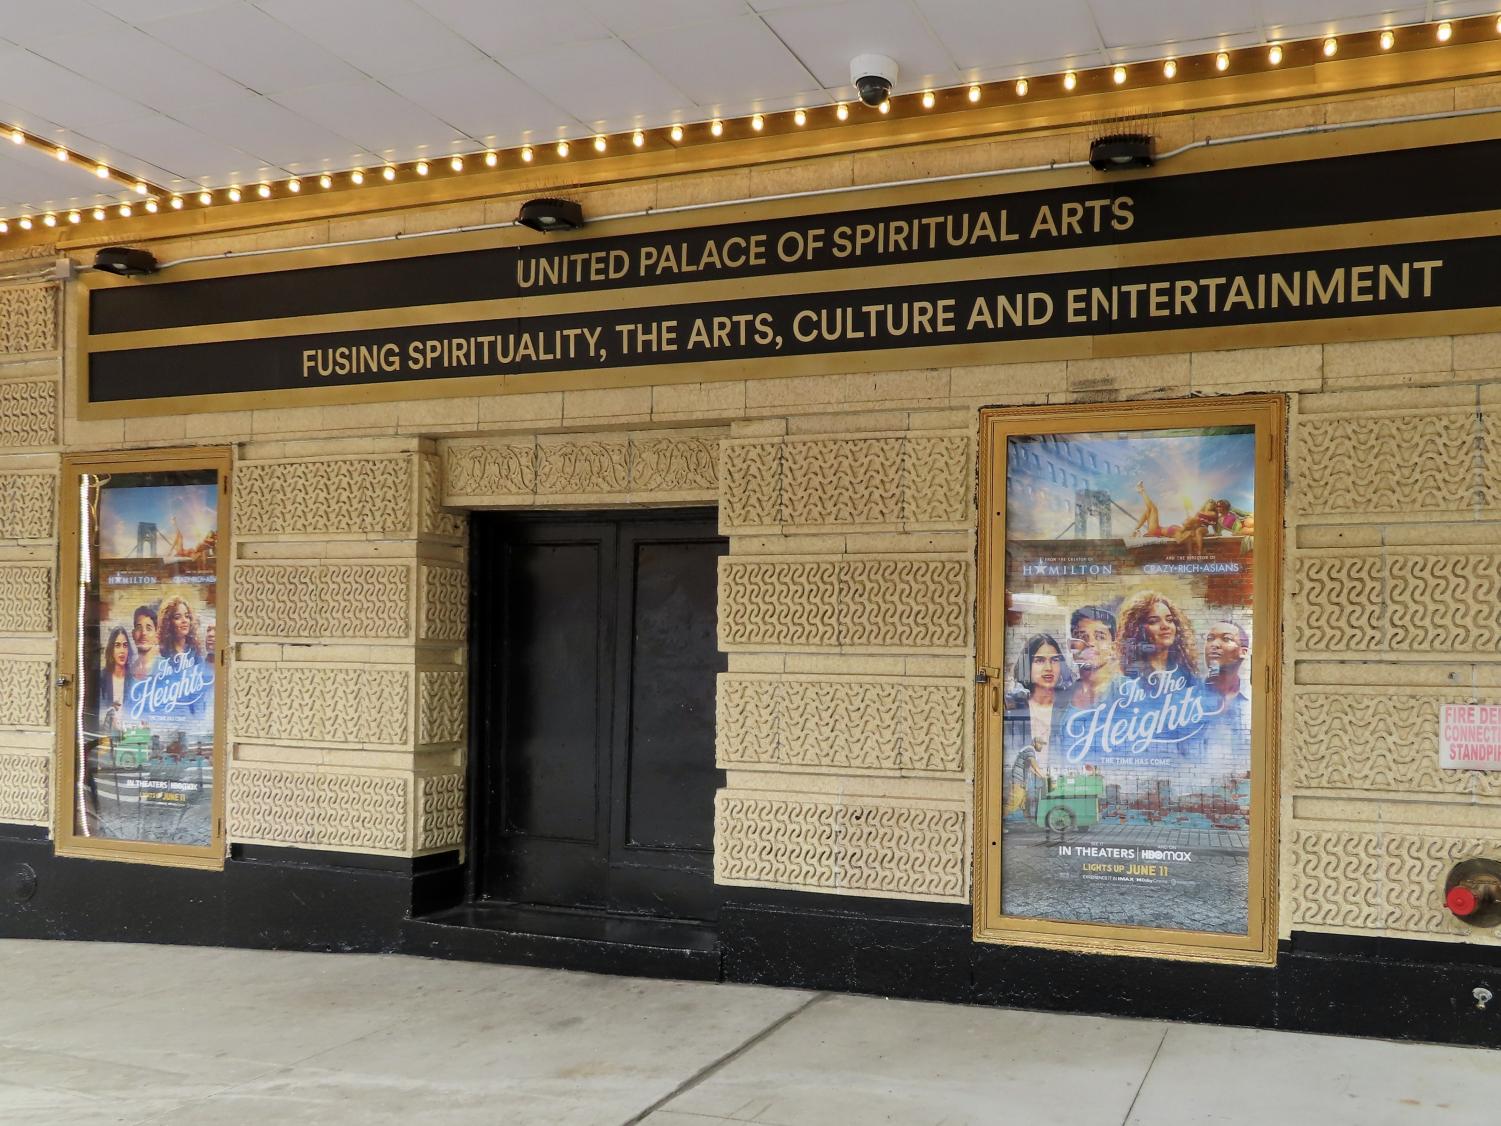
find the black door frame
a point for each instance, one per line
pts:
(488, 629)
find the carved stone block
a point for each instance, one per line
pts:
(573, 466)
(442, 698)
(445, 604)
(321, 704)
(841, 481)
(938, 479)
(25, 693)
(440, 811)
(674, 465)
(359, 811)
(25, 598)
(328, 496)
(1338, 603)
(28, 319)
(853, 724)
(874, 847)
(491, 468)
(437, 520)
(25, 793)
(750, 484)
(317, 601)
(28, 412)
(778, 603)
(27, 501)
(1385, 464)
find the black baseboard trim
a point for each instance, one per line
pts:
(293, 899)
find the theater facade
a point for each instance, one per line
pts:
(904, 560)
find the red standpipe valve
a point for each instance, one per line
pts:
(1462, 901)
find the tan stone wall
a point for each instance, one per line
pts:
(847, 602)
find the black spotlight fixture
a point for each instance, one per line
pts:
(125, 261)
(547, 215)
(1121, 151)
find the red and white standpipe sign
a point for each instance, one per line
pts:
(1469, 737)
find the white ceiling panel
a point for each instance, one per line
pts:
(734, 60)
(251, 47)
(39, 183)
(1019, 34)
(487, 102)
(1135, 23)
(508, 29)
(28, 23)
(599, 82)
(827, 36)
(277, 135)
(383, 38)
(139, 11)
(626, 18)
(156, 75)
(375, 118)
(74, 102)
(183, 151)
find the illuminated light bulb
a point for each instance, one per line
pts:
(456, 162)
(1388, 40)
(325, 181)
(294, 186)
(422, 168)
(1222, 61)
(357, 177)
(492, 158)
(49, 219)
(1445, 31)
(716, 127)
(928, 99)
(389, 173)
(4, 227)
(75, 218)
(1070, 80)
(62, 153)
(1331, 47)
(234, 195)
(599, 142)
(799, 117)
(758, 123)
(1498, 25)
(151, 206)
(842, 112)
(1170, 68)
(1118, 75)
(125, 211)
(638, 138)
(885, 107)
(205, 198)
(102, 171)
(17, 136)
(25, 223)
(264, 191)
(177, 203)
(98, 214)
(526, 153)
(1022, 86)
(974, 93)
(1274, 54)
(563, 148)
(141, 188)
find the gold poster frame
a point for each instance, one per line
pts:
(1267, 414)
(69, 699)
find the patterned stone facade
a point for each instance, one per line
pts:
(25, 692)
(28, 412)
(337, 809)
(27, 503)
(25, 793)
(332, 497)
(28, 319)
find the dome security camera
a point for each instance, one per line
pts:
(873, 76)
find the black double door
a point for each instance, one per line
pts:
(597, 665)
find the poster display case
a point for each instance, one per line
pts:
(1129, 640)
(141, 657)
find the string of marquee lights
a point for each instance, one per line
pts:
(1305, 52)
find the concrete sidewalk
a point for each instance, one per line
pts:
(103, 1033)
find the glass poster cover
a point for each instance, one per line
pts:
(149, 601)
(1126, 755)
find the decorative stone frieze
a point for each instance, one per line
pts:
(359, 811)
(572, 466)
(318, 601)
(674, 465)
(25, 793)
(491, 468)
(884, 847)
(868, 602)
(1386, 464)
(28, 412)
(27, 503)
(28, 319)
(326, 496)
(849, 724)
(26, 596)
(25, 692)
(322, 705)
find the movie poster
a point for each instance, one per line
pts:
(147, 736)
(1125, 787)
